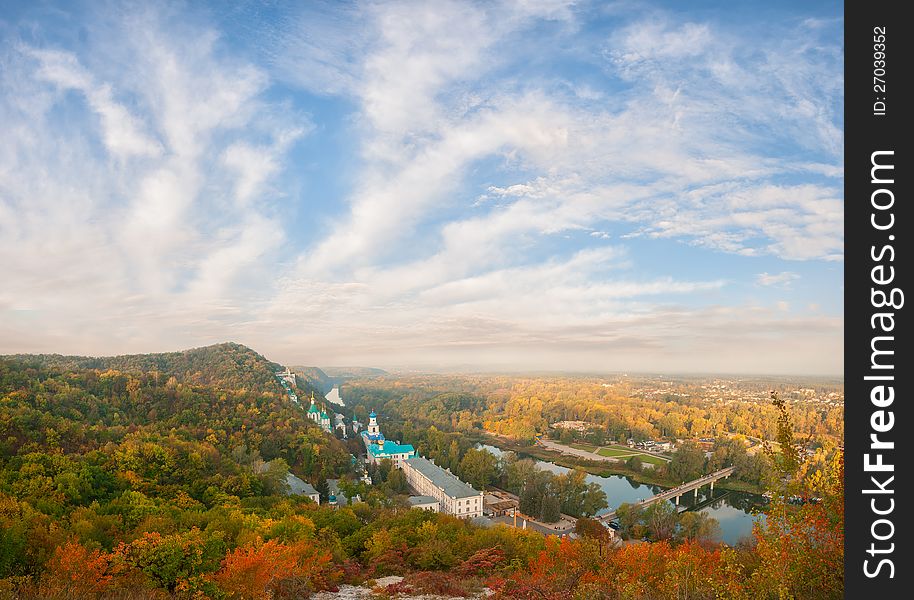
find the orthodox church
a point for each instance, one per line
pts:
(319, 416)
(379, 448)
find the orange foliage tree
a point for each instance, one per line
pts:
(76, 572)
(272, 569)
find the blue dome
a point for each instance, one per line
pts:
(372, 415)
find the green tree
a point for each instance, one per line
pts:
(550, 509)
(396, 481)
(688, 462)
(698, 526)
(629, 516)
(479, 468)
(661, 519)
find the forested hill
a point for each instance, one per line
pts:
(225, 395)
(156, 454)
(226, 366)
(324, 379)
(344, 373)
(316, 377)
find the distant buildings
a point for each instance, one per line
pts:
(581, 426)
(287, 379)
(319, 416)
(288, 376)
(337, 498)
(500, 505)
(340, 423)
(378, 448)
(454, 496)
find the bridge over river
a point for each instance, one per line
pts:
(676, 492)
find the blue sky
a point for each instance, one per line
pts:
(535, 185)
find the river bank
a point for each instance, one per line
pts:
(735, 511)
(604, 468)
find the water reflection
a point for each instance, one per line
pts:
(735, 511)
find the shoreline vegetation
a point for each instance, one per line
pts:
(604, 469)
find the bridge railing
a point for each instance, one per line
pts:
(680, 489)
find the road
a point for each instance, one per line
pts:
(568, 450)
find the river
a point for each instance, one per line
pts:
(733, 510)
(333, 396)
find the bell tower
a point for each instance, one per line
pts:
(373, 428)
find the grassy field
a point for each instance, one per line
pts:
(654, 460)
(612, 451)
(620, 447)
(622, 452)
(584, 447)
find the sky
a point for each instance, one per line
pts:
(538, 185)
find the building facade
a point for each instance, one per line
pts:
(454, 496)
(425, 503)
(378, 448)
(319, 416)
(288, 376)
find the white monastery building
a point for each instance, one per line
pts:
(454, 496)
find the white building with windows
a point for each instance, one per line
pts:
(424, 502)
(288, 376)
(378, 448)
(454, 496)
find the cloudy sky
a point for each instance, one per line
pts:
(534, 185)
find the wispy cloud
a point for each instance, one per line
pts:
(783, 279)
(143, 192)
(510, 173)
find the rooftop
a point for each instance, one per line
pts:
(390, 447)
(334, 486)
(452, 486)
(415, 500)
(299, 486)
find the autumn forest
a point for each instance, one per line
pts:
(164, 476)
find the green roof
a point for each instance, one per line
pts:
(389, 448)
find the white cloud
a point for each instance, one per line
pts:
(173, 233)
(122, 132)
(483, 187)
(653, 40)
(783, 279)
